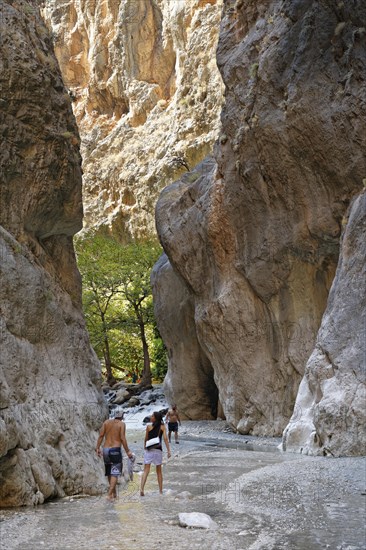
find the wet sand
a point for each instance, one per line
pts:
(260, 498)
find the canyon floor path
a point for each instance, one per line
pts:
(259, 497)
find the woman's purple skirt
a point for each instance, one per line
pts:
(154, 456)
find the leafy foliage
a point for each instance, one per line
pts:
(118, 306)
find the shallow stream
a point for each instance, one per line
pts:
(260, 499)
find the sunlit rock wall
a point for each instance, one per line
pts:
(146, 90)
(255, 239)
(51, 404)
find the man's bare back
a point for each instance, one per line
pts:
(113, 431)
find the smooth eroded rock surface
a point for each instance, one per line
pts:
(330, 411)
(51, 404)
(190, 385)
(256, 237)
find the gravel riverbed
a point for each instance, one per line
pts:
(259, 497)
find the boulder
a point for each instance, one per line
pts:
(119, 386)
(133, 402)
(122, 395)
(197, 520)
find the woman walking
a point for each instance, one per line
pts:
(153, 453)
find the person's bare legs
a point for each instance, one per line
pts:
(159, 474)
(176, 436)
(112, 487)
(144, 478)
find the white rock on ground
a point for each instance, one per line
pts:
(197, 520)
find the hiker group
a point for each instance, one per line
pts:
(113, 435)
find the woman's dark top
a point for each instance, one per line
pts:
(155, 432)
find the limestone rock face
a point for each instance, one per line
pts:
(190, 383)
(51, 404)
(330, 410)
(146, 91)
(255, 237)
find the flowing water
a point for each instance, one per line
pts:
(260, 499)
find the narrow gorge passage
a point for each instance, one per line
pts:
(232, 134)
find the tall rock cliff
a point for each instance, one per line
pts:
(147, 96)
(252, 236)
(49, 377)
(330, 410)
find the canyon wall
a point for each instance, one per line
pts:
(190, 382)
(51, 403)
(252, 236)
(330, 409)
(147, 96)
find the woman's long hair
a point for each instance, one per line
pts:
(158, 419)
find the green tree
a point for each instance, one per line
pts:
(117, 300)
(136, 262)
(101, 282)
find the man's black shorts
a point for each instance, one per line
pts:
(112, 461)
(173, 426)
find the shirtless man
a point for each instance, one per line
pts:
(172, 418)
(113, 432)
